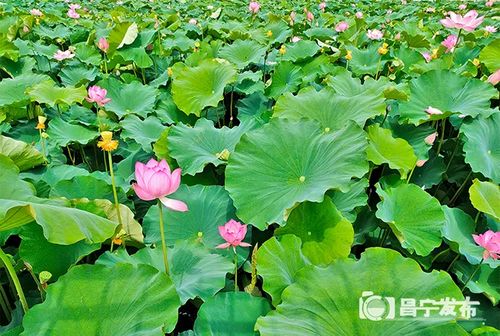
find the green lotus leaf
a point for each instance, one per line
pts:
(131, 230)
(24, 155)
(62, 133)
(355, 197)
(209, 207)
(326, 301)
(144, 132)
(415, 135)
(366, 61)
(243, 52)
(304, 162)
(8, 50)
(486, 280)
(87, 53)
(195, 88)
(129, 98)
(414, 216)
(490, 55)
(325, 234)
(47, 92)
(485, 331)
(13, 91)
(448, 92)
(195, 147)
(85, 187)
(458, 228)
(278, 262)
(300, 50)
(482, 145)
(78, 75)
(107, 301)
(431, 173)
(223, 314)
(45, 256)
(332, 110)
(194, 271)
(123, 33)
(396, 152)
(485, 197)
(286, 78)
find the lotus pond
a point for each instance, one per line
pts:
(249, 168)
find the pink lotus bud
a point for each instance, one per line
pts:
(431, 138)
(427, 56)
(359, 15)
(103, 45)
(489, 4)
(432, 110)
(155, 181)
(97, 94)
(254, 7)
(494, 78)
(309, 16)
(193, 21)
(341, 26)
(233, 233)
(322, 6)
(36, 12)
(397, 37)
(296, 39)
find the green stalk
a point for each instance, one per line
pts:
(472, 275)
(12, 273)
(162, 233)
(443, 127)
(235, 270)
(115, 195)
(5, 305)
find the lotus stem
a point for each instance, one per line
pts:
(472, 275)
(17, 284)
(235, 270)
(162, 233)
(113, 185)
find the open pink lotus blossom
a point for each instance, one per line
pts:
(432, 110)
(36, 12)
(450, 42)
(359, 15)
(62, 55)
(254, 7)
(233, 233)
(309, 16)
(341, 26)
(490, 29)
(322, 6)
(431, 138)
(462, 7)
(193, 21)
(97, 94)
(155, 181)
(374, 34)
(494, 78)
(490, 241)
(427, 56)
(468, 22)
(73, 14)
(103, 44)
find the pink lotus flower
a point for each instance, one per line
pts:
(462, 7)
(97, 94)
(468, 22)
(450, 42)
(490, 29)
(420, 163)
(322, 6)
(292, 17)
(490, 241)
(494, 78)
(489, 3)
(309, 16)
(374, 34)
(397, 37)
(296, 39)
(103, 45)
(155, 181)
(431, 138)
(36, 12)
(359, 15)
(193, 21)
(75, 6)
(432, 110)
(254, 7)
(233, 233)
(62, 55)
(427, 56)
(341, 26)
(73, 14)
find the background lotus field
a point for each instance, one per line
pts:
(358, 141)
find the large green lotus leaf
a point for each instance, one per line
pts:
(47, 92)
(325, 301)
(366, 61)
(243, 52)
(286, 78)
(209, 207)
(278, 262)
(355, 197)
(286, 162)
(415, 135)
(129, 98)
(195, 147)
(300, 50)
(107, 301)
(396, 152)
(13, 91)
(24, 155)
(194, 270)
(458, 229)
(8, 50)
(144, 132)
(486, 280)
(45, 256)
(415, 217)
(490, 55)
(123, 33)
(482, 145)
(62, 133)
(85, 186)
(195, 88)
(78, 75)
(448, 92)
(230, 314)
(325, 234)
(332, 110)
(485, 197)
